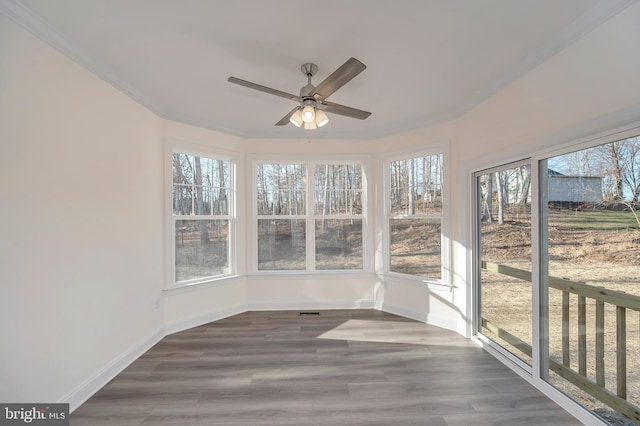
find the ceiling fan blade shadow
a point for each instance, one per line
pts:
(339, 78)
(345, 110)
(285, 120)
(264, 89)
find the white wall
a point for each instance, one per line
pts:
(81, 229)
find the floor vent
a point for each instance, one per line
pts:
(308, 314)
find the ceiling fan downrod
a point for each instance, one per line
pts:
(309, 70)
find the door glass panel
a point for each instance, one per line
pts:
(591, 270)
(504, 274)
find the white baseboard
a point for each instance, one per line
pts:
(198, 320)
(425, 317)
(93, 384)
(309, 305)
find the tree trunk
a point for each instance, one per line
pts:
(487, 213)
(411, 187)
(197, 180)
(616, 168)
(526, 185)
(326, 198)
(223, 207)
(500, 191)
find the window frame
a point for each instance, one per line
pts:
(310, 216)
(476, 259)
(387, 216)
(172, 147)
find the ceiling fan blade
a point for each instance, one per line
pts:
(345, 110)
(264, 89)
(285, 120)
(339, 78)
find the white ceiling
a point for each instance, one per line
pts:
(427, 60)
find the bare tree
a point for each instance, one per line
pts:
(612, 169)
(197, 180)
(486, 182)
(222, 203)
(501, 198)
(411, 186)
(632, 168)
(525, 177)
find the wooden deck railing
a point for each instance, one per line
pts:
(622, 301)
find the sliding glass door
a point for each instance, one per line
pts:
(503, 296)
(557, 286)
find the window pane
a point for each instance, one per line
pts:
(281, 244)
(182, 199)
(201, 248)
(182, 168)
(338, 189)
(416, 186)
(504, 215)
(200, 185)
(281, 189)
(219, 187)
(338, 244)
(593, 247)
(416, 247)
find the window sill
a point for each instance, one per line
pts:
(413, 279)
(207, 283)
(312, 275)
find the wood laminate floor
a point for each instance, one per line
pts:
(351, 367)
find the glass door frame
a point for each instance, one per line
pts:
(532, 370)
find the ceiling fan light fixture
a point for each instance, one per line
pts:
(296, 118)
(311, 102)
(321, 118)
(308, 114)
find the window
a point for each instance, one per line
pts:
(310, 216)
(202, 221)
(414, 215)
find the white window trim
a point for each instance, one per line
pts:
(309, 217)
(445, 260)
(172, 146)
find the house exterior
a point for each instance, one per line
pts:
(574, 189)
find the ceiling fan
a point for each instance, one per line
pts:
(310, 112)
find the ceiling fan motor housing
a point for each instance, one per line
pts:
(309, 69)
